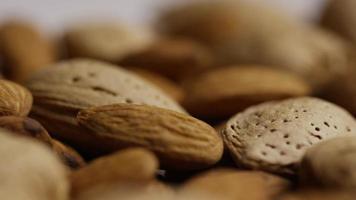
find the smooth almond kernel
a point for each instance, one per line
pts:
(124, 166)
(14, 99)
(179, 140)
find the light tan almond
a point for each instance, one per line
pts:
(14, 99)
(24, 50)
(222, 92)
(30, 170)
(274, 136)
(170, 88)
(179, 140)
(236, 35)
(65, 88)
(229, 184)
(330, 164)
(124, 166)
(106, 41)
(173, 58)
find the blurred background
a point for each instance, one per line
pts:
(53, 15)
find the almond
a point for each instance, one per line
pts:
(31, 171)
(65, 88)
(173, 58)
(14, 99)
(339, 16)
(24, 49)
(222, 92)
(169, 87)
(31, 128)
(274, 136)
(124, 166)
(106, 41)
(331, 164)
(179, 140)
(229, 184)
(234, 33)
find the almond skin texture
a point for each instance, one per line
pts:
(274, 136)
(30, 170)
(105, 41)
(67, 87)
(169, 87)
(181, 142)
(229, 184)
(24, 50)
(222, 92)
(173, 58)
(14, 99)
(331, 164)
(124, 166)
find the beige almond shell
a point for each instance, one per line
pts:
(180, 141)
(106, 41)
(171, 88)
(24, 50)
(274, 136)
(15, 100)
(230, 184)
(236, 35)
(339, 16)
(133, 164)
(30, 170)
(222, 92)
(330, 164)
(174, 58)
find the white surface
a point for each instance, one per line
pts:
(54, 15)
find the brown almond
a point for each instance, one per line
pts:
(330, 164)
(173, 58)
(274, 136)
(318, 195)
(223, 92)
(24, 50)
(179, 140)
(169, 87)
(124, 166)
(230, 184)
(14, 99)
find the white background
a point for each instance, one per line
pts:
(54, 15)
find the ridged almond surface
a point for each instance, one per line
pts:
(179, 140)
(223, 92)
(274, 136)
(24, 50)
(331, 164)
(229, 184)
(124, 166)
(67, 87)
(14, 99)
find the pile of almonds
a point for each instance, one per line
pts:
(214, 103)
